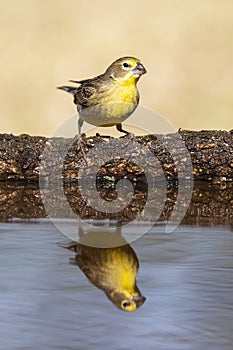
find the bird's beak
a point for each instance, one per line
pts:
(139, 300)
(139, 69)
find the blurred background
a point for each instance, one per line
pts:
(185, 45)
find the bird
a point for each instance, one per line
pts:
(109, 98)
(111, 269)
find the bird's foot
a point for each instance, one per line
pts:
(102, 136)
(129, 136)
(81, 147)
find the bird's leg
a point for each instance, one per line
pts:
(129, 135)
(80, 142)
(80, 124)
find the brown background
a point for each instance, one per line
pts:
(185, 45)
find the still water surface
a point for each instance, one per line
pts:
(47, 303)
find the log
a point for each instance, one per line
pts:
(211, 154)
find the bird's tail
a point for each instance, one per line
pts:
(72, 90)
(71, 246)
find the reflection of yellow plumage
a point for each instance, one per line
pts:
(112, 270)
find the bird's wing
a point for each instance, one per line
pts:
(86, 94)
(83, 94)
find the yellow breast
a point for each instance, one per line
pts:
(114, 106)
(123, 92)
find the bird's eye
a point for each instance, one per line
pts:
(126, 304)
(126, 65)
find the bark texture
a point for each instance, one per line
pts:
(166, 156)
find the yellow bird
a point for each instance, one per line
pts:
(111, 269)
(109, 98)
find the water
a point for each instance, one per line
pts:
(47, 303)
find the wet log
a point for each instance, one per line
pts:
(211, 154)
(209, 205)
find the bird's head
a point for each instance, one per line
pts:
(126, 68)
(126, 301)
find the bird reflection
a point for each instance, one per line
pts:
(113, 269)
